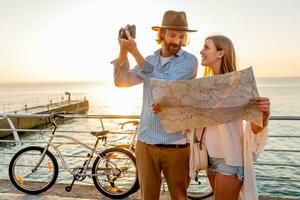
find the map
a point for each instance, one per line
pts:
(209, 101)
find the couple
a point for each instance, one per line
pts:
(158, 151)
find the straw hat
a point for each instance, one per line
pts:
(174, 20)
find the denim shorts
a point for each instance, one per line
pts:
(218, 165)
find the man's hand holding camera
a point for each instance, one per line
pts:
(128, 44)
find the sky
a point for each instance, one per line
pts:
(75, 40)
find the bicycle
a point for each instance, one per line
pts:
(195, 192)
(34, 169)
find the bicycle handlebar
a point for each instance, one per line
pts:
(55, 116)
(133, 122)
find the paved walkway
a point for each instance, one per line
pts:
(87, 192)
(7, 191)
(79, 192)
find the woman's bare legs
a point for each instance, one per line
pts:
(225, 187)
(211, 179)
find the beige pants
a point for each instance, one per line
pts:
(174, 162)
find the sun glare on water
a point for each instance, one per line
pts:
(111, 100)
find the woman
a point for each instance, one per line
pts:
(228, 145)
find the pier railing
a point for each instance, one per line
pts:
(31, 103)
(102, 118)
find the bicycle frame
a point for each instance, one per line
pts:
(92, 152)
(132, 141)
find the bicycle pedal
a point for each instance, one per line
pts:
(113, 189)
(68, 188)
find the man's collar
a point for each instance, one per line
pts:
(179, 52)
(157, 52)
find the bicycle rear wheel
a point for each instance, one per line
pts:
(116, 173)
(202, 190)
(25, 177)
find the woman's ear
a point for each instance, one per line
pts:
(220, 54)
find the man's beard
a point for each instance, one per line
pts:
(173, 48)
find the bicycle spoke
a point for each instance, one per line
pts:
(120, 169)
(31, 172)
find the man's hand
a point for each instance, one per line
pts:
(123, 52)
(129, 45)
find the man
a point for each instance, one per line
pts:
(156, 150)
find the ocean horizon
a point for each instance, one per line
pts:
(284, 93)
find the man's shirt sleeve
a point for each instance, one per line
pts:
(124, 77)
(148, 68)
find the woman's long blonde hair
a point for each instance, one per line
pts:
(228, 60)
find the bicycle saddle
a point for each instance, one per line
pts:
(100, 133)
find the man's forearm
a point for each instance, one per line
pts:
(138, 58)
(122, 55)
(122, 75)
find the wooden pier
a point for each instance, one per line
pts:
(71, 106)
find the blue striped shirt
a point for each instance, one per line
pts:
(182, 66)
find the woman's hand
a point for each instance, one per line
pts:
(155, 108)
(263, 103)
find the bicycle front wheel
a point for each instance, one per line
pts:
(116, 173)
(27, 175)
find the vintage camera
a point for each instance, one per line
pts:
(130, 28)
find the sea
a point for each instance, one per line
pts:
(105, 99)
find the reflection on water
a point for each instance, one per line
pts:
(112, 100)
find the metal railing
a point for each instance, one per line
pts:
(32, 103)
(102, 117)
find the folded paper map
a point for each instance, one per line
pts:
(209, 101)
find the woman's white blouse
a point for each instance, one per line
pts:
(239, 146)
(226, 141)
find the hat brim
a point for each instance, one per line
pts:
(157, 28)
